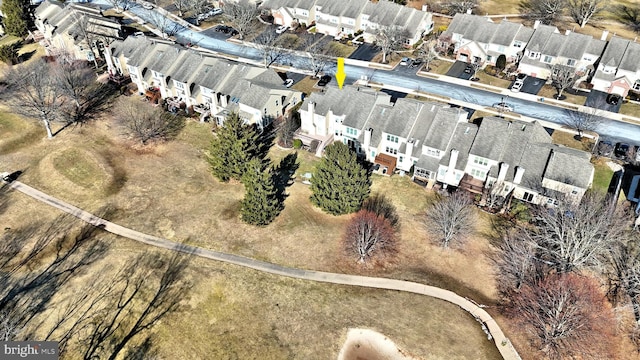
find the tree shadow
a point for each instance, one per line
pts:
(26, 56)
(265, 141)
(283, 174)
(94, 104)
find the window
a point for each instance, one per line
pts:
(517, 44)
(334, 20)
(458, 176)
(392, 138)
(391, 150)
(157, 75)
(636, 85)
(501, 48)
(433, 152)
(178, 84)
(339, 132)
(352, 132)
(571, 62)
(552, 202)
(277, 103)
(547, 59)
(534, 55)
(400, 159)
(373, 154)
(489, 58)
(574, 192)
(480, 161)
(528, 197)
(478, 174)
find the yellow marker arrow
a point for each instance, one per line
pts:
(340, 74)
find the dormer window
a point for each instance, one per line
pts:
(571, 62)
(534, 55)
(636, 85)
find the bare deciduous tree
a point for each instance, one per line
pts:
(76, 82)
(545, 11)
(198, 7)
(451, 219)
(622, 271)
(390, 39)
(368, 235)
(167, 26)
(319, 57)
(32, 91)
(145, 122)
(460, 6)
(121, 5)
(566, 316)
(575, 236)
(427, 53)
(630, 16)
(584, 10)
(242, 14)
(382, 206)
(268, 45)
(562, 77)
(9, 326)
(584, 120)
(182, 6)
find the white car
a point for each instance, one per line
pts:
(287, 83)
(281, 29)
(147, 5)
(517, 85)
(503, 106)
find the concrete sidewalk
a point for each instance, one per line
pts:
(502, 342)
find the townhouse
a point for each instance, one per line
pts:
(194, 81)
(547, 48)
(479, 40)
(343, 18)
(438, 144)
(619, 69)
(76, 30)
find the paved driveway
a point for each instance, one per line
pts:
(532, 85)
(365, 52)
(457, 70)
(598, 100)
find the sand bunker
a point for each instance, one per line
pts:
(365, 344)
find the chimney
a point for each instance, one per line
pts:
(453, 160)
(605, 34)
(536, 24)
(502, 174)
(469, 11)
(409, 149)
(367, 139)
(519, 173)
(425, 8)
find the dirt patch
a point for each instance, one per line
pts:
(367, 344)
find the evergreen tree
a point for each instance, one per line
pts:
(340, 183)
(260, 205)
(235, 144)
(16, 14)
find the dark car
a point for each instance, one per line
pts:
(324, 80)
(621, 150)
(605, 148)
(415, 63)
(613, 99)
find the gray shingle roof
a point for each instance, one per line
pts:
(631, 59)
(540, 37)
(462, 140)
(442, 127)
(595, 47)
(524, 34)
(506, 33)
(575, 45)
(569, 166)
(614, 51)
(356, 105)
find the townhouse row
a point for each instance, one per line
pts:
(438, 144)
(610, 66)
(343, 18)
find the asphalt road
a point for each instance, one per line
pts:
(609, 129)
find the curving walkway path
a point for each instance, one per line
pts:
(502, 343)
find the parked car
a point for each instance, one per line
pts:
(147, 5)
(621, 151)
(288, 83)
(605, 148)
(613, 99)
(405, 61)
(281, 29)
(517, 85)
(415, 63)
(503, 106)
(324, 80)
(225, 29)
(468, 69)
(208, 14)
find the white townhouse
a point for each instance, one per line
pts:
(188, 79)
(619, 69)
(439, 145)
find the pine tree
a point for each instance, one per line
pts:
(260, 205)
(16, 13)
(235, 144)
(340, 183)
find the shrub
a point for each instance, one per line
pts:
(297, 143)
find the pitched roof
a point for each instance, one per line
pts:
(569, 166)
(350, 101)
(614, 51)
(540, 37)
(631, 59)
(462, 140)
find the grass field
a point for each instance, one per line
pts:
(167, 190)
(568, 139)
(602, 176)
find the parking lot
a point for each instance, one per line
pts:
(457, 70)
(598, 100)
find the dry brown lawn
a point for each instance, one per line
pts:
(167, 190)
